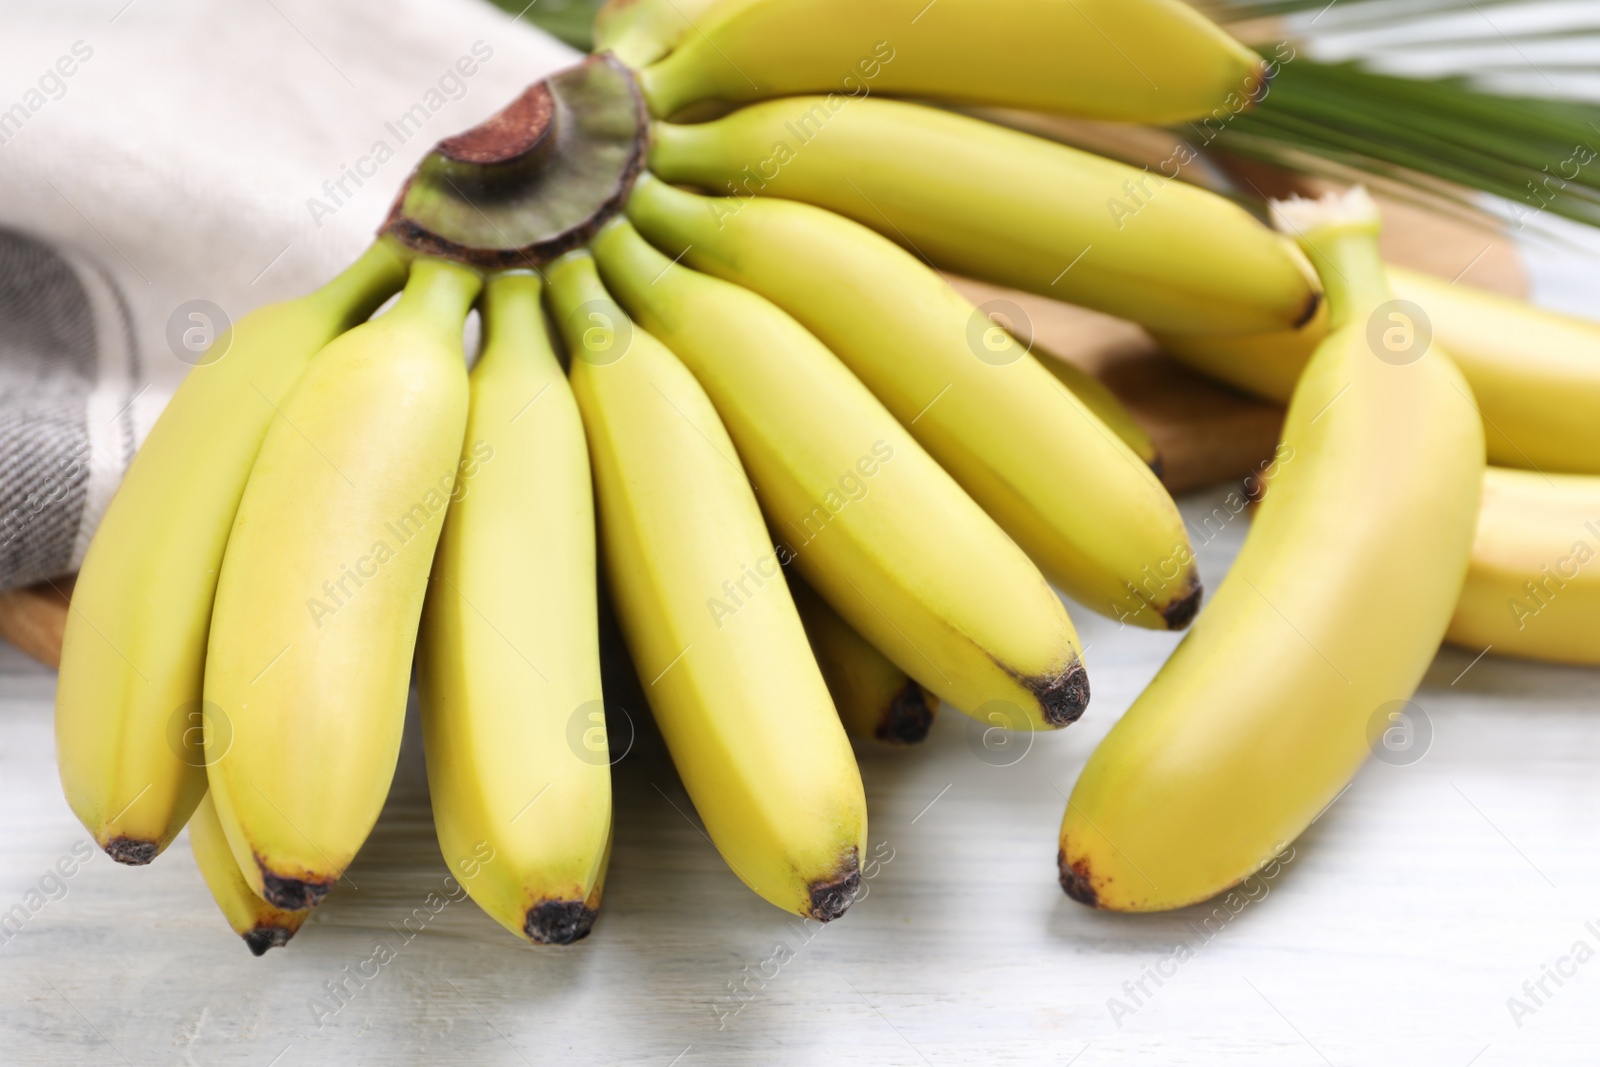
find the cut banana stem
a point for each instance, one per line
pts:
(1007, 207)
(734, 688)
(1319, 633)
(877, 701)
(1533, 588)
(322, 585)
(260, 924)
(1027, 450)
(871, 521)
(128, 712)
(509, 659)
(1535, 373)
(1093, 58)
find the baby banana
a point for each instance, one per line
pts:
(128, 718)
(737, 695)
(876, 700)
(260, 924)
(1535, 373)
(509, 655)
(1533, 587)
(1333, 610)
(1148, 61)
(868, 518)
(1014, 437)
(1007, 207)
(322, 585)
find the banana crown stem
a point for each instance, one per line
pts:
(511, 314)
(1339, 234)
(440, 292)
(357, 290)
(580, 301)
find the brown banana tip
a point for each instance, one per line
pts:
(132, 851)
(559, 922)
(292, 894)
(909, 717)
(832, 896)
(1158, 467)
(1181, 612)
(264, 937)
(1310, 312)
(1063, 697)
(1075, 880)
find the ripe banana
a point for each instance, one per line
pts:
(128, 703)
(876, 700)
(1535, 373)
(1017, 440)
(1332, 611)
(1007, 207)
(872, 522)
(509, 656)
(260, 924)
(322, 585)
(1148, 61)
(1533, 587)
(738, 697)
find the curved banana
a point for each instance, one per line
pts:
(737, 695)
(1535, 373)
(1007, 207)
(1018, 441)
(1533, 586)
(873, 523)
(1148, 61)
(322, 585)
(509, 655)
(877, 701)
(128, 702)
(1330, 615)
(260, 924)
(639, 32)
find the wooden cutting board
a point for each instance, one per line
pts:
(1206, 432)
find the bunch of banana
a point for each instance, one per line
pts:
(825, 490)
(1203, 782)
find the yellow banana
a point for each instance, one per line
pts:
(876, 700)
(639, 32)
(322, 585)
(260, 924)
(871, 521)
(1149, 61)
(1533, 587)
(738, 697)
(128, 703)
(1329, 618)
(1087, 510)
(509, 655)
(1535, 373)
(1099, 399)
(1007, 207)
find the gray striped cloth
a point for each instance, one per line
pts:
(59, 320)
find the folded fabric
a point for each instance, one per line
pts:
(165, 168)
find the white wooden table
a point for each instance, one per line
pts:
(1420, 903)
